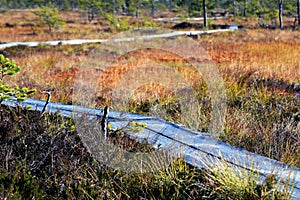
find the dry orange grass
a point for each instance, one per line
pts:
(27, 27)
(57, 69)
(267, 53)
(115, 72)
(271, 54)
(48, 69)
(107, 78)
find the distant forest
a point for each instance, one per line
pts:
(270, 9)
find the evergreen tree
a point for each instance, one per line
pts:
(49, 16)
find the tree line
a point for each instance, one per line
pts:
(262, 8)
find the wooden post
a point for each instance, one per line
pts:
(204, 13)
(245, 8)
(152, 8)
(280, 9)
(104, 121)
(298, 11)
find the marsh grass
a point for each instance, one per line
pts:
(262, 107)
(242, 184)
(264, 122)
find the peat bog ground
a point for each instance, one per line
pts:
(44, 157)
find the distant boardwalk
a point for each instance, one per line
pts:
(81, 41)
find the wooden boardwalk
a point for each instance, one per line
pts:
(82, 41)
(192, 146)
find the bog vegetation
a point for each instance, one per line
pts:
(42, 155)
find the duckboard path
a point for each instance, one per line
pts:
(127, 39)
(196, 148)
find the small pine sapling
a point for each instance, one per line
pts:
(10, 68)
